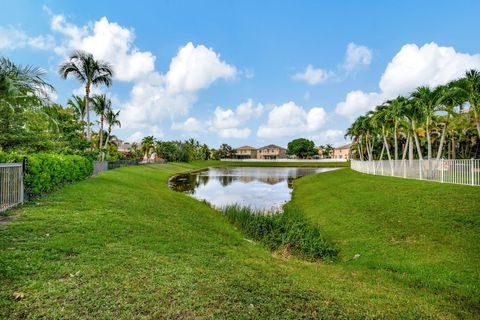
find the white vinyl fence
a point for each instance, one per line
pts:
(448, 171)
(11, 185)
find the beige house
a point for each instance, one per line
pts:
(271, 152)
(342, 152)
(246, 152)
(124, 147)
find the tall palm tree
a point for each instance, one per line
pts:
(111, 118)
(89, 71)
(429, 101)
(413, 115)
(395, 109)
(470, 86)
(452, 97)
(101, 105)
(381, 121)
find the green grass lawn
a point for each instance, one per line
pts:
(122, 245)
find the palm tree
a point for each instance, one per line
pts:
(428, 101)
(470, 87)
(380, 119)
(101, 105)
(83, 66)
(452, 97)
(111, 118)
(148, 143)
(78, 105)
(23, 85)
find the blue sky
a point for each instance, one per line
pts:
(248, 72)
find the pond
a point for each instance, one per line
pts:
(261, 188)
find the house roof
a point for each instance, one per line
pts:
(271, 146)
(347, 146)
(246, 148)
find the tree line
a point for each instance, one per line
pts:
(430, 123)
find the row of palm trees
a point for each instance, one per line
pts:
(92, 72)
(426, 121)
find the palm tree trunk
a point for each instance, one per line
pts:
(429, 144)
(87, 110)
(442, 140)
(101, 132)
(410, 149)
(360, 155)
(108, 136)
(405, 148)
(395, 140)
(454, 155)
(385, 143)
(417, 143)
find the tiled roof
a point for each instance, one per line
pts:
(271, 146)
(347, 146)
(247, 148)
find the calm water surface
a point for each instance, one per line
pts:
(261, 188)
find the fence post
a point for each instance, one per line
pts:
(420, 168)
(442, 170)
(472, 171)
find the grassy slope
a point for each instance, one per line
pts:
(122, 245)
(423, 235)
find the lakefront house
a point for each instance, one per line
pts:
(246, 152)
(271, 152)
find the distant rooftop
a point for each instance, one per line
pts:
(347, 146)
(247, 148)
(271, 146)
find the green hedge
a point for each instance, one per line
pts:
(287, 229)
(47, 172)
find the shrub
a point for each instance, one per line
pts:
(46, 172)
(287, 229)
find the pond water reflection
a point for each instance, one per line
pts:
(261, 188)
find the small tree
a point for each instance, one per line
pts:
(326, 150)
(226, 151)
(301, 148)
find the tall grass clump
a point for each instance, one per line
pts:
(287, 229)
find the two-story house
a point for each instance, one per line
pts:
(271, 152)
(246, 152)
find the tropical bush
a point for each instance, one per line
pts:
(46, 172)
(287, 229)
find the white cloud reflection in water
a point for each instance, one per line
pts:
(261, 188)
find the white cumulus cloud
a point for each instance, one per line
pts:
(331, 136)
(14, 38)
(289, 119)
(230, 123)
(312, 76)
(357, 55)
(106, 41)
(191, 125)
(412, 66)
(195, 68)
(158, 96)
